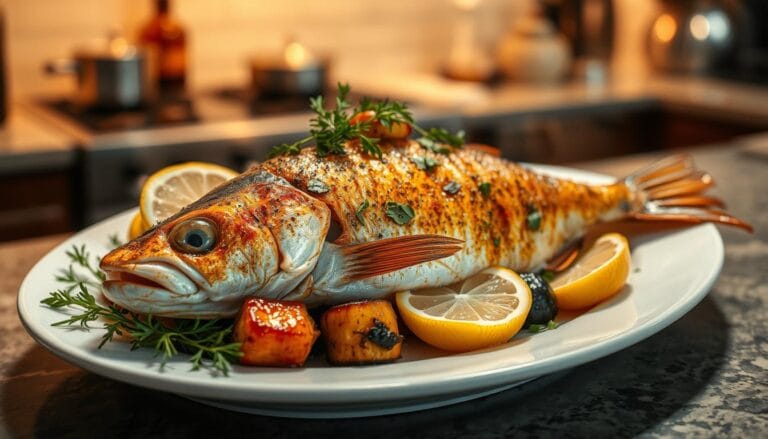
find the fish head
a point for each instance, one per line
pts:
(251, 238)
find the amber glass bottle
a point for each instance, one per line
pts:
(166, 41)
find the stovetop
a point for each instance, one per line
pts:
(216, 105)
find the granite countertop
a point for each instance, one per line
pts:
(28, 144)
(705, 375)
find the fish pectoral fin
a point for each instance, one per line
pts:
(391, 254)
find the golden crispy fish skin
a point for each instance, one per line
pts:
(266, 232)
(496, 223)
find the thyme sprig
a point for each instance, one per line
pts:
(331, 129)
(80, 257)
(207, 341)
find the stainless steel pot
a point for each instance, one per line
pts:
(113, 79)
(271, 79)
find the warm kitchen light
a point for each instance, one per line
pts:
(119, 47)
(664, 28)
(699, 27)
(295, 55)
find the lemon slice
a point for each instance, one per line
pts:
(598, 274)
(137, 226)
(170, 189)
(485, 310)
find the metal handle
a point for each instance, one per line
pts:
(61, 66)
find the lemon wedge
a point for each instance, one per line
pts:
(137, 226)
(172, 188)
(485, 310)
(598, 274)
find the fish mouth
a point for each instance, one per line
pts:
(157, 288)
(153, 275)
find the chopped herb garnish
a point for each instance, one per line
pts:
(496, 241)
(536, 328)
(317, 186)
(485, 189)
(533, 220)
(452, 187)
(331, 129)
(114, 241)
(359, 212)
(400, 213)
(381, 335)
(433, 146)
(547, 275)
(425, 163)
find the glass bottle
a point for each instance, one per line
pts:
(166, 41)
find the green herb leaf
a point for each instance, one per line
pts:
(114, 241)
(496, 241)
(452, 188)
(317, 186)
(400, 213)
(536, 328)
(360, 209)
(547, 275)
(331, 129)
(533, 220)
(485, 189)
(371, 146)
(433, 146)
(288, 148)
(425, 163)
(441, 135)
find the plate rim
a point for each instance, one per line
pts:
(230, 390)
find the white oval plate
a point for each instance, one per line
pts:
(671, 273)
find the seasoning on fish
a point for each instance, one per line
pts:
(266, 233)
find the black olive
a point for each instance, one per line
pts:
(544, 306)
(195, 236)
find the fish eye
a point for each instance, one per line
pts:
(195, 235)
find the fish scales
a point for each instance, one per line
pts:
(496, 224)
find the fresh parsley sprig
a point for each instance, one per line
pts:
(331, 129)
(208, 342)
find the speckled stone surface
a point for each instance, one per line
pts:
(706, 375)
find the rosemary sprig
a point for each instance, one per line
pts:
(207, 341)
(79, 257)
(331, 129)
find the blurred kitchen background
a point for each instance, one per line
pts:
(96, 94)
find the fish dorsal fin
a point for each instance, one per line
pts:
(384, 256)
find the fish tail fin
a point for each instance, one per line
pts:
(672, 189)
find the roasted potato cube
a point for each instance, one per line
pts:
(361, 333)
(275, 333)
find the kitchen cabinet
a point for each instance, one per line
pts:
(569, 135)
(37, 203)
(558, 137)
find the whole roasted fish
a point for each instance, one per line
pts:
(347, 227)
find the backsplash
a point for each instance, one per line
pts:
(361, 36)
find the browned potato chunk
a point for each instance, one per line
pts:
(361, 332)
(275, 333)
